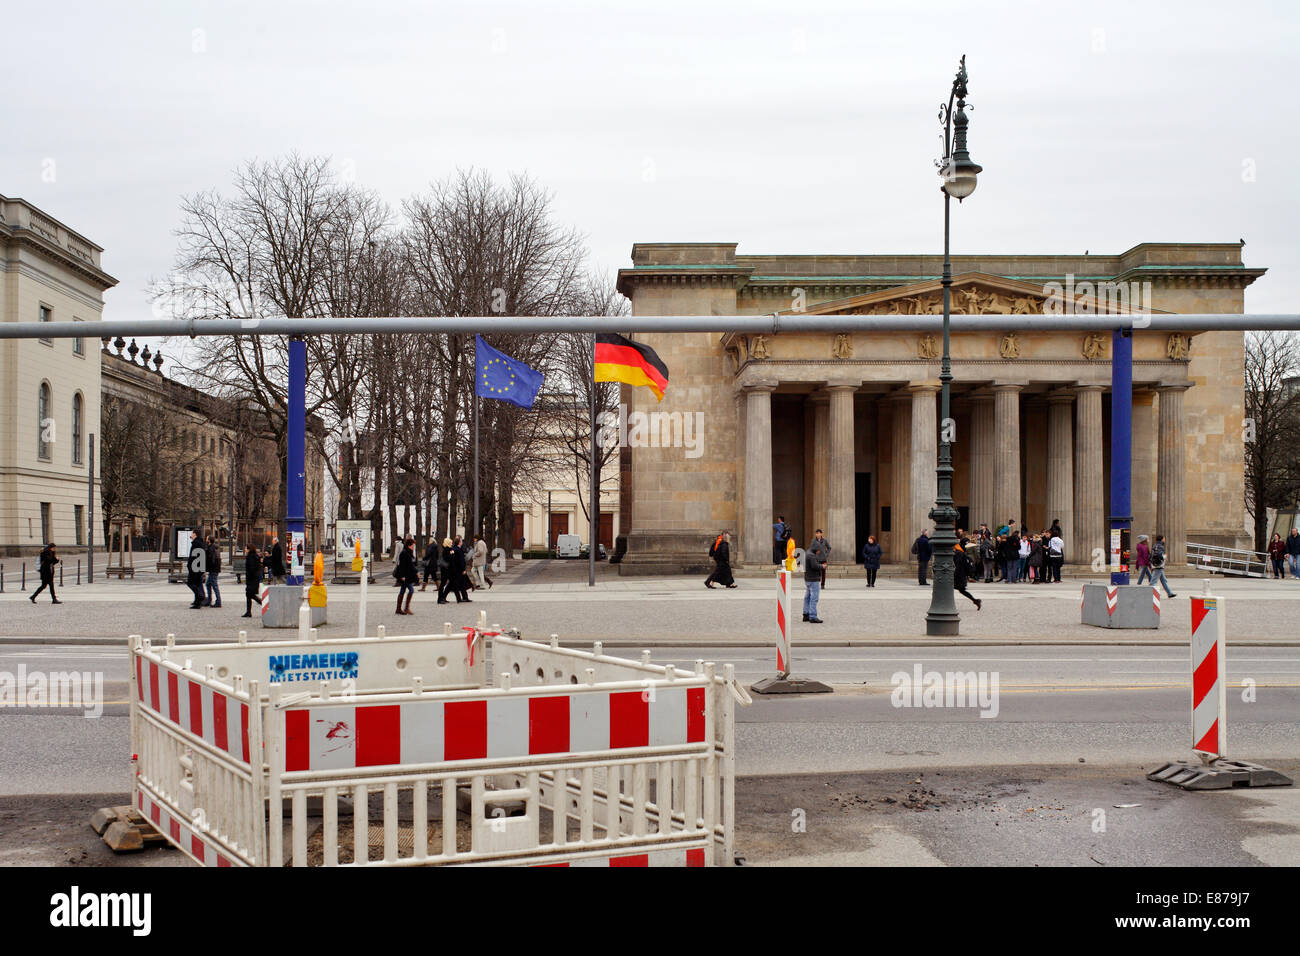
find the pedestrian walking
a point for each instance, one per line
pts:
(1142, 559)
(195, 565)
(48, 558)
(212, 558)
(721, 555)
(813, 562)
(961, 568)
(1277, 554)
(1024, 553)
(480, 562)
(871, 554)
(431, 564)
(923, 550)
(1158, 564)
(408, 576)
(252, 580)
(1293, 552)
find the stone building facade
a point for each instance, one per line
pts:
(49, 388)
(841, 431)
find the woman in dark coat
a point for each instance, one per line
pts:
(960, 575)
(721, 553)
(252, 580)
(1277, 554)
(408, 576)
(871, 553)
(1037, 552)
(431, 565)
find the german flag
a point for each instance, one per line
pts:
(619, 359)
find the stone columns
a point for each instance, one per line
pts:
(1171, 488)
(900, 478)
(1006, 464)
(925, 452)
(982, 463)
(821, 468)
(840, 524)
(1089, 493)
(757, 541)
(1060, 465)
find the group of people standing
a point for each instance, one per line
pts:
(1282, 552)
(454, 567)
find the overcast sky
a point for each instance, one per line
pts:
(795, 127)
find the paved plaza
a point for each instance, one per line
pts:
(552, 597)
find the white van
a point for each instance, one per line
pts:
(568, 546)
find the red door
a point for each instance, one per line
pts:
(559, 526)
(606, 536)
(517, 536)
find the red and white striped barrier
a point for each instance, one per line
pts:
(657, 858)
(189, 839)
(782, 622)
(194, 705)
(1155, 599)
(506, 726)
(1209, 677)
(265, 598)
(1112, 598)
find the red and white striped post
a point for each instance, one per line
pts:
(1209, 677)
(782, 622)
(783, 683)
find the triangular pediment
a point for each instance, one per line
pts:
(977, 293)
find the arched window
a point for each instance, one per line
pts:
(44, 423)
(76, 429)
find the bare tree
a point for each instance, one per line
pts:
(1272, 426)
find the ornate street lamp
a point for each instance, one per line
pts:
(959, 177)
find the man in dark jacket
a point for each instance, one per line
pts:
(923, 551)
(1293, 552)
(814, 559)
(212, 555)
(871, 554)
(275, 566)
(196, 564)
(48, 559)
(252, 580)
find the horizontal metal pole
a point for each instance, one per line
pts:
(750, 324)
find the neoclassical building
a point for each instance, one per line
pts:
(49, 388)
(840, 431)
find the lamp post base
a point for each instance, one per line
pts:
(942, 625)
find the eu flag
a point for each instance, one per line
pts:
(497, 375)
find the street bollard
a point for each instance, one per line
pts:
(2, 579)
(60, 574)
(78, 571)
(24, 575)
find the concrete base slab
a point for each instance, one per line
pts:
(282, 607)
(1120, 606)
(789, 685)
(1220, 775)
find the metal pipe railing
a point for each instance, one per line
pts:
(770, 323)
